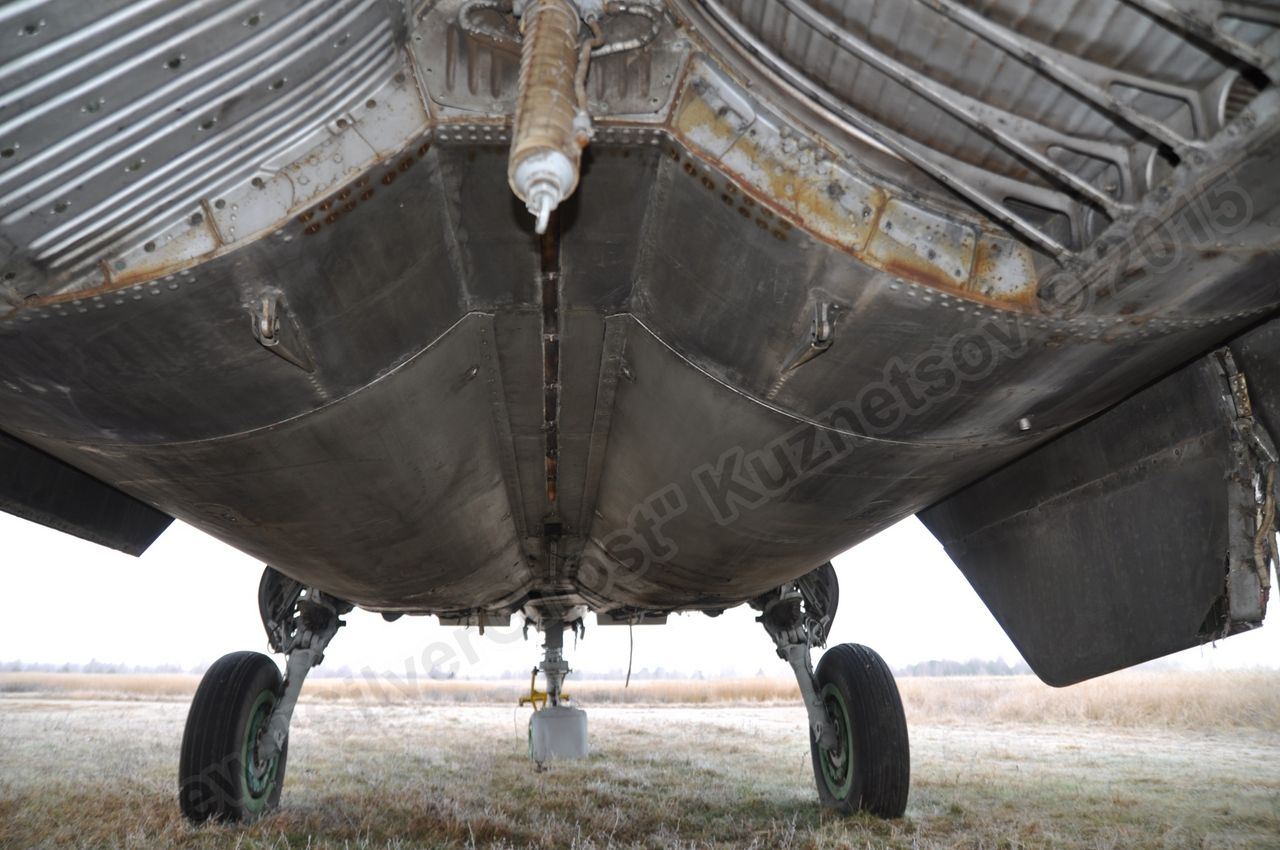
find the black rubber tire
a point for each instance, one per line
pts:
(213, 783)
(862, 699)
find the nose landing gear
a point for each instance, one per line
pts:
(236, 742)
(857, 729)
(556, 731)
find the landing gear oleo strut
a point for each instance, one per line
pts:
(557, 731)
(236, 742)
(857, 729)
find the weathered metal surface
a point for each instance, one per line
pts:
(40, 488)
(1125, 540)
(1258, 353)
(791, 181)
(1053, 121)
(402, 482)
(119, 118)
(495, 422)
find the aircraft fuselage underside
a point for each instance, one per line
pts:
(735, 353)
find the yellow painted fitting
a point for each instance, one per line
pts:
(536, 698)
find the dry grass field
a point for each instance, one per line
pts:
(1129, 761)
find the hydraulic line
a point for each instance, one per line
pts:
(642, 10)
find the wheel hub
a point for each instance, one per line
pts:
(258, 772)
(837, 761)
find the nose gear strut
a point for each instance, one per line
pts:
(556, 731)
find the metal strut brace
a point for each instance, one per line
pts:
(301, 625)
(554, 668)
(798, 617)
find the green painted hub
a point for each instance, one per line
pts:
(258, 778)
(837, 765)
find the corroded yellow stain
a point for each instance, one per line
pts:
(846, 211)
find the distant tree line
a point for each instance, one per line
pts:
(972, 667)
(95, 666)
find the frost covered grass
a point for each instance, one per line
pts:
(1127, 762)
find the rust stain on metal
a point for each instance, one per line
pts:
(906, 267)
(344, 201)
(112, 282)
(212, 224)
(775, 190)
(549, 244)
(694, 115)
(991, 264)
(833, 206)
(987, 258)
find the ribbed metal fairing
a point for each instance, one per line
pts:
(1062, 114)
(117, 118)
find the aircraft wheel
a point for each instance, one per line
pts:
(869, 770)
(220, 775)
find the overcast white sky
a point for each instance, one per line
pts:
(190, 599)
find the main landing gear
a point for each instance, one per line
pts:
(236, 742)
(857, 729)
